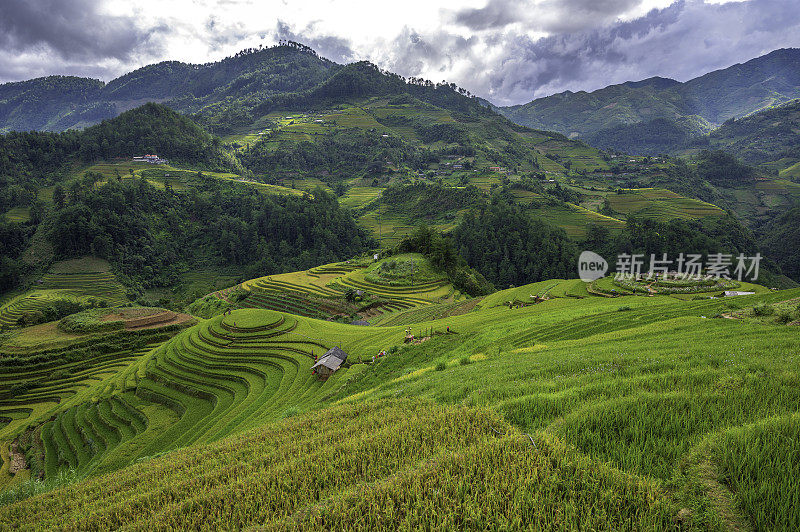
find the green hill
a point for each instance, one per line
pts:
(60, 103)
(567, 403)
(771, 135)
(659, 115)
(43, 103)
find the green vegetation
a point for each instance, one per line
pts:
(510, 248)
(781, 242)
(155, 235)
(766, 136)
(659, 115)
(68, 287)
(617, 404)
(570, 387)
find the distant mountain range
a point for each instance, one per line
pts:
(660, 115)
(769, 135)
(57, 103)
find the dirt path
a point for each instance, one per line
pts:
(18, 462)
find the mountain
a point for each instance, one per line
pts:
(629, 116)
(58, 103)
(39, 104)
(769, 135)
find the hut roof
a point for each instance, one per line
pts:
(329, 362)
(336, 352)
(332, 360)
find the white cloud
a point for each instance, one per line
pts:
(507, 50)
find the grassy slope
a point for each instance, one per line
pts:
(587, 380)
(85, 279)
(488, 135)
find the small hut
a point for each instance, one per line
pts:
(329, 363)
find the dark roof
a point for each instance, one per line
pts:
(330, 362)
(336, 352)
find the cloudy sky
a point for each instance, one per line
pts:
(509, 51)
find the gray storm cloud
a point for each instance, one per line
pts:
(494, 51)
(67, 37)
(589, 48)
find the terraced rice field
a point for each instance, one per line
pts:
(615, 411)
(573, 288)
(35, 387)
(305, 476)
(18, 215)
(429, 313)
(573, 219)
(619, 419)
(79, 280)
(661, 204)
(357, 197)
(219, 377)
(319, 292)
(388, 228)
(291, 302)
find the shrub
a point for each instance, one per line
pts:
(89, 321)
(623, 308)
(785, 317)
(762, 309)
(465, 361)
(441, 366)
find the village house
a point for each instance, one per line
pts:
(152, 159)
(328, 363)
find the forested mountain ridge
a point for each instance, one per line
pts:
(618, 116)
(57, 103)
(766, 136)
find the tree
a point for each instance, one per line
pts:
(58, 196)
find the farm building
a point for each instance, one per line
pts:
(152, 159)
(731, 293)
(329, 362)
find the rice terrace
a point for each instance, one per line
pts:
(251, 284)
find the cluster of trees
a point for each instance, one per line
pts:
(152, 235)
(722, 169)
(647, 236)
(440, 250)
(509, 247)
(29, 161)
(430, 201)
(13, 240)
(152, 128)
(344, 152)
(781, 242)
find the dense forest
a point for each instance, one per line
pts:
(153, 235)
(722, 169)
(509, 247)
(781, 242)
(32, 160)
